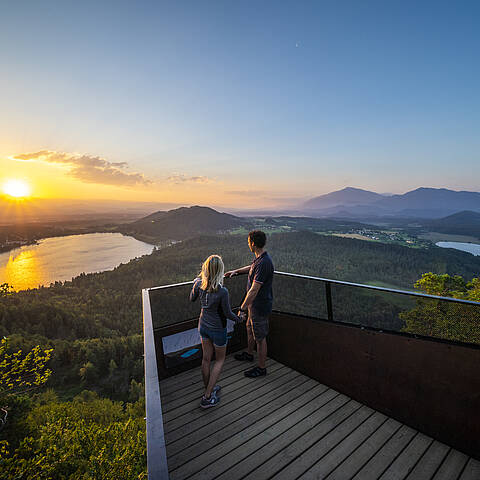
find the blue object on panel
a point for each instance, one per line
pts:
(189, 353)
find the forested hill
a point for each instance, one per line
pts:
(108, 304)
(461, 223)
(182, 223)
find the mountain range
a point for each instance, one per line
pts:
(346, 197)
(354, 203)
(420, 203)
(188, 222)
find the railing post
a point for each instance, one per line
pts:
(156, 450)
(328, 291)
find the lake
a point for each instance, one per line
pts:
(61, 258)
(473, 248)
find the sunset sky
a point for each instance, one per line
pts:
(238, 103)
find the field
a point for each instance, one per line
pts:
(354, 235)
(447, 237)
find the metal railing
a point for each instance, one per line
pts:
(381, 308)
(329, 281)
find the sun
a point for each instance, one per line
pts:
(16, 188)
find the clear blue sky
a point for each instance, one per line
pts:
(280, 99)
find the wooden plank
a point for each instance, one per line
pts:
(315, 445)
(471, 471)
(318, 394)
(341, 451)
(229, 391)
(263, 431)
(191, 392)
(199, 418)
(171, 384)
(193, 377)
(184, 376)
(197, 382)
(452, 466)
(244, 428)
(429, 463)
(385, 456)
(261, 450)
(367, 450)
(192, 411)
(406, 461)
(236, 421)
(240, 446)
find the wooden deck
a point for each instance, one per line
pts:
(288, 426)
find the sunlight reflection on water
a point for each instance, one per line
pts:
(61, 258)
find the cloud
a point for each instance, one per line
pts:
(89, 168)
(179, 178)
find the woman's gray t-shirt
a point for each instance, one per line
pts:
(215, 307)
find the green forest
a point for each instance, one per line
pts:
(82, 415)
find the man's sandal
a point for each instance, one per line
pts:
(255, 372)
(243, 357)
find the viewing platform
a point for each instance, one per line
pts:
(340, 400)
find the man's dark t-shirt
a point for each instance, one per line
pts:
(261, 271)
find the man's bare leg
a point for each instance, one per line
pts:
(262, 352)
(250, 339)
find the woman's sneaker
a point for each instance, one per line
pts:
(216, 390)
(209, 402)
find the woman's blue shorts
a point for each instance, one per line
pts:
(217, 337)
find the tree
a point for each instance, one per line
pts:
(5, 289)
(89, 372)
(439, 318)
(20, 373)
(88, 438)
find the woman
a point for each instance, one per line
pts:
(212, 324)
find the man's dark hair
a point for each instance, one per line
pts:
(257, 238)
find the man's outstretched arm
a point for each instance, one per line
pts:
(238, 271)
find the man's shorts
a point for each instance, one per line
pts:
(258, 324)
(217, 337)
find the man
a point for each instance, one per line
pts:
(257, 303)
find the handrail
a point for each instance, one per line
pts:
(382, 289)
(172, 285)
(349, 284)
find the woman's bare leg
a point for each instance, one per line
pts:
(217, 368)
(207, 348)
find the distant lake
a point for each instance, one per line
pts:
(473, 248)
(61, 258)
